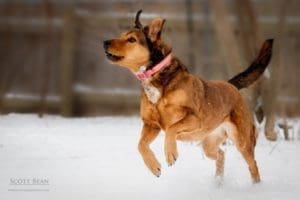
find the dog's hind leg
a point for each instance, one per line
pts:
(149, 133)
(244, 136)
(247, 150)
(248, 154)
(211, 149)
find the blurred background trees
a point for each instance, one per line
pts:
(52, 60)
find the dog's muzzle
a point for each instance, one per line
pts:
(109, 55)
(106, 44)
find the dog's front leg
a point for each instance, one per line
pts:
(187, 124)
(149, 133)
(171, 152)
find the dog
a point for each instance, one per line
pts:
(186, 107)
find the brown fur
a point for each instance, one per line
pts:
(189, 109)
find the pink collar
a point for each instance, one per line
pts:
(146, 74)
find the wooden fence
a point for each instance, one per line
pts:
(52, 59)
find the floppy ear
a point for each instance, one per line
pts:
(154, 28)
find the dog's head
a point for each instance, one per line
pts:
(140, 46)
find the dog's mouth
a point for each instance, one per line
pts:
(113, 57)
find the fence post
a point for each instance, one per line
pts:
(67, 64)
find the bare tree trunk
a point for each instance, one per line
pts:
(227, 39)
(190, 29)
(251, 35)
(286, 130)
(269, 128)
(206, 44)
(250, 30)
(270, 98)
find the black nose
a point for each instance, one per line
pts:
(106, 44)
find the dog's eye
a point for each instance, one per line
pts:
(131, 39)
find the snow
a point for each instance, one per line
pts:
(97, 158)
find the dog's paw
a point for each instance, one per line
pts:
(157, 172)
(256, 180)
(171, 157)
(155, 168)
(218, 181)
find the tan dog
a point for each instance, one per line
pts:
(186, 107)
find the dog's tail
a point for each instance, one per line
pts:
(256, 69)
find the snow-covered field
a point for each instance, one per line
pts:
(97, 158)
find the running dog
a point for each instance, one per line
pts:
(186, 107)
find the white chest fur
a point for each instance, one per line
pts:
(153, 94)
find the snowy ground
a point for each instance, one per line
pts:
(97, 158)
